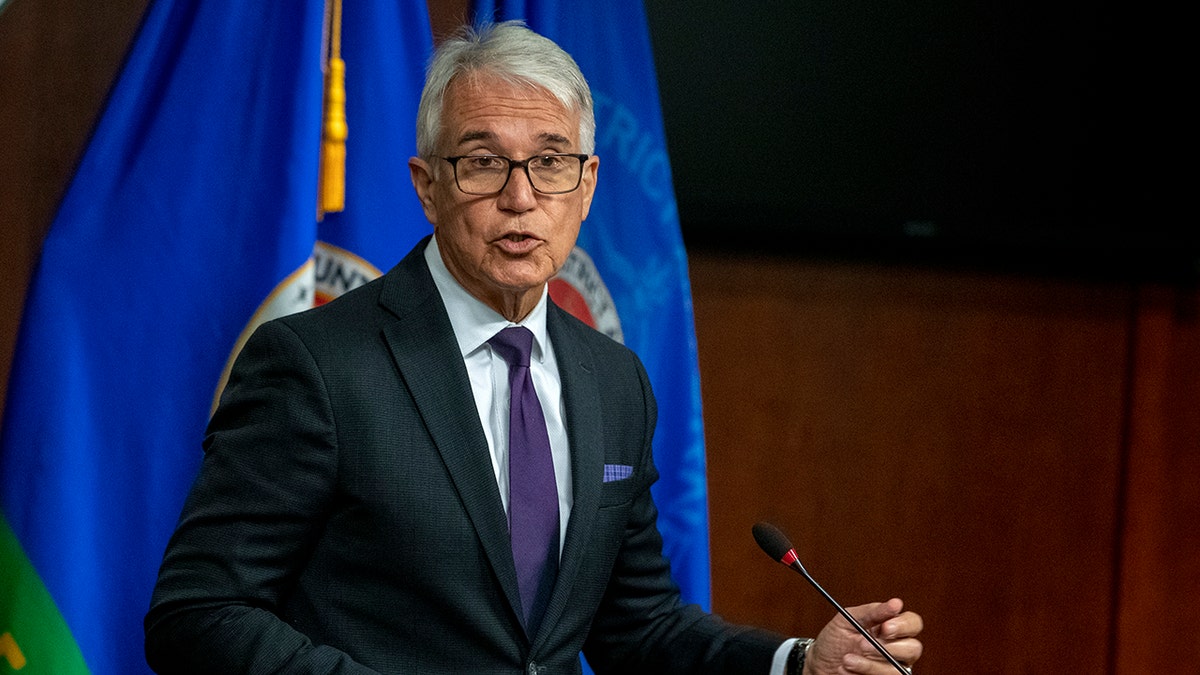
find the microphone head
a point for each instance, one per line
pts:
(773, 542)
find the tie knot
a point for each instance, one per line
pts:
(514, 344)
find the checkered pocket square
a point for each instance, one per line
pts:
(614, 472)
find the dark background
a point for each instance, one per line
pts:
(1025, 136)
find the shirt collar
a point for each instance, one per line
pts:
(474, 322)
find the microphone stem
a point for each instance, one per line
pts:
(853, 622)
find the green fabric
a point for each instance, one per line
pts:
(34, 639)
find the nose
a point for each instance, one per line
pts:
(518, 193)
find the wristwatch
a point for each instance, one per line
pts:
(795, 660)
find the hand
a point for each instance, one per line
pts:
(839, 649)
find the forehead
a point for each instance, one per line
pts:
(490, 109)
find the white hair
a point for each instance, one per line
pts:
(514, 53)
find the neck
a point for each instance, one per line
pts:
(515, 306)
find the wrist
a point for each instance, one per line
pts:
(798, 656)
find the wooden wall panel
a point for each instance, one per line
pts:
(1160, 562)
(954, 439)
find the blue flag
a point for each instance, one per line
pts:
(630, 264)
(191, 218)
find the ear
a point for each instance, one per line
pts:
(588, 184)
(423, 182)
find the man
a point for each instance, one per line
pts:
(365, 503)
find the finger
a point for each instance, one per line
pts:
(906, 651)
(875, 613)
(907, 624)
(862, 665)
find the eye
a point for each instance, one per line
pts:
(549, 162)
(484, 162)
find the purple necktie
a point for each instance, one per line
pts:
(532, 491)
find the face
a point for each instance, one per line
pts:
(503, 248)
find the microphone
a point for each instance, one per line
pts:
(775, 544)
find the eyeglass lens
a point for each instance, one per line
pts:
(488, 174)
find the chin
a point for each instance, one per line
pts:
(523, 280)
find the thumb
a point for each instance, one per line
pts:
(874, 614)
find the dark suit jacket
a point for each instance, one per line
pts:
(347, 520)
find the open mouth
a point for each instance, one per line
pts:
(517, 243)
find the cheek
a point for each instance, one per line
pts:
(564, 243)
(454, 220)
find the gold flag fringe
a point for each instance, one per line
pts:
(331, 186)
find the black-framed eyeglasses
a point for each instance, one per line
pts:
(551, 174)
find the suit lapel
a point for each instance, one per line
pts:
(422, 343)
(584, 431)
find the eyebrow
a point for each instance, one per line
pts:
(475, 136)
(481, 135)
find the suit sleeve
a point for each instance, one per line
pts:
(642, 625)
(250, 522)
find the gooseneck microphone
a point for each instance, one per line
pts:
(776, 545)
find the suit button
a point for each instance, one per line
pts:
(533, 669)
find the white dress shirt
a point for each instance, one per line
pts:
(474, 324)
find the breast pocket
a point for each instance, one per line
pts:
(620, 485)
